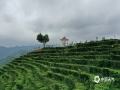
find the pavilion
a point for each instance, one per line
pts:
(64, 40)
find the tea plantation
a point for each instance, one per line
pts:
(65, 68)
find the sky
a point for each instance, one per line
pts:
(78, 20)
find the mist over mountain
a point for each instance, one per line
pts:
(6, 60)
(7, 54)
(16, 51)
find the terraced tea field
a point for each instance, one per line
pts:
(65, 68)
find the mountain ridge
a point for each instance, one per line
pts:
(7, 54)
(13, 51)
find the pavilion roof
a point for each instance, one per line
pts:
(64, 38)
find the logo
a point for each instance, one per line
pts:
(105, 79)
(96, 79)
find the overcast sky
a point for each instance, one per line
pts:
(78, 20)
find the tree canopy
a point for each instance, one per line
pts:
(43, 38)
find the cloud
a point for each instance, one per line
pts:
(78, 20)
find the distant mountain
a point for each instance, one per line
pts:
(6, 60)
(8, 54)
(16, 51)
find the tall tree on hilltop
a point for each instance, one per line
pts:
(43, 38)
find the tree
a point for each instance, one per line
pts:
(43, 38)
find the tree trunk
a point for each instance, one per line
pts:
(44, 45)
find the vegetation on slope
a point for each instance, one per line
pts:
(65, 68)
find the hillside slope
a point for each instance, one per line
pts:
(65, 68)
(6, 60)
